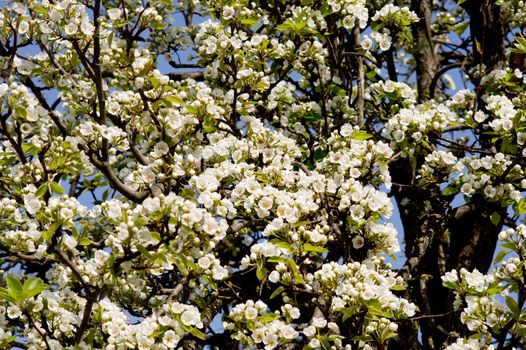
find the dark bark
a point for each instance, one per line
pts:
(424, 52)
(472, 234)
(488, 30)
(425, 241)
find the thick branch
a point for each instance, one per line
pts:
(116, 183)
(426, 60)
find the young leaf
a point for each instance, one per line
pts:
(514, 307)
(495, 218)
(41, 191)
(260, 272)
(4, 294)
(500, 256)
(14, 284)
(361, 135)
(48, 234)
(31, 283)
(33, 286)
(313, 248)
(56, 188)
(277, 292)
(198, 334)
(449, 190)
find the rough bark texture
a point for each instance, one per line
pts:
(440, 239)
(424, 52)
(488, 30)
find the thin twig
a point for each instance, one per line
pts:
(416, 318)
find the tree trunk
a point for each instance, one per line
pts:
(473, 236)
(424, 51)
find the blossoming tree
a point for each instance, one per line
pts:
(220, 174)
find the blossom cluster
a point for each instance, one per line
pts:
(489, 302)
(138, 205)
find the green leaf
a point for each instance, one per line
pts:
(110, 38)
(514, 307)
(325, 9)
(173, 99)
(209, 128)
(500, 256)
(4, 294)
(158, 25)
(277, 292)
(496, 289)
(324, 342)
(397, 287)
(105, 195)
(284, 245)
(84, 241)
(15, 288)
(495, 218)
(314, 248)
(40, 10)
(407, 34)
(155, 236)
(312, 117)
(361, 135)
(285, 27)
(370, 75)
(41, 191)
(144, 252)
(476, 336)
(155, 82)
(56, 188)
(319, 154)
(262, 177)
(4, 344)
(48, 234)
(375, 308)
(339, 91)
(31, 283)
(449, 191)
(187, 193)
(249, 21)
(121, 23)
(348, 312)
(209, 281)
(507, 146)
(449, 285)
(301, 223)
(291, 264)
(509, 245)
(276, 259)
(268, 317)
(21, 111)
(33, 286)
(191, 109)
(180, 263)
(14, 284)
(260, 272)
(198, 334)
(520, 44)
(521, 207)
(261, 86)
